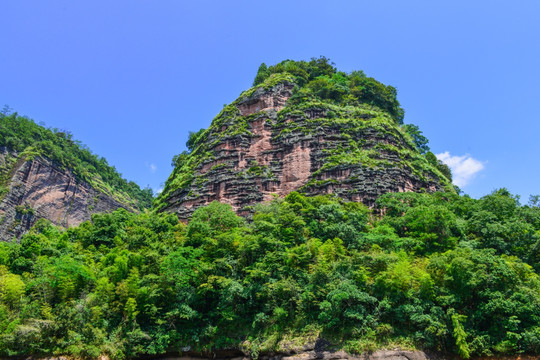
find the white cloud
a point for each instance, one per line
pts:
(152, 167)
(158, 191)
(464, 168)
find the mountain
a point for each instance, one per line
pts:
(307, 277)
(45, 174)
(307, 127)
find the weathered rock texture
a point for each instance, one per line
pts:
(311, 354)
(38, 189)
(377, 355)
(314, 355)
(260, 146)
(321, 355)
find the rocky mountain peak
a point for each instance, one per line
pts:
(303, 127)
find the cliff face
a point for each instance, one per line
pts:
(38, 189)
(265, 145)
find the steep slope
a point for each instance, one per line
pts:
(304, 126)
(44, 174)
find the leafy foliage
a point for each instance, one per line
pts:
(442, 167)
(420, 140)
(194, 138)
(318, 78)
(437, 271)
(29, 139)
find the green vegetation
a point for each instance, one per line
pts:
(437, 271)
(24, 209)
(324, 100)
(20, 134)
(418, 271)
(421, 143)
(318, 78)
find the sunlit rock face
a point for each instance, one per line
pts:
(262, 146)
(38, 189)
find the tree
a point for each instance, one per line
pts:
(442, 167)
(12, 288)
(420, 140)
(193, 139)
(262, 74)
(210, 221)
(459, 334)
(534, 201)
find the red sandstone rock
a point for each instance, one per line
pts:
(39, 189)
(284, 152)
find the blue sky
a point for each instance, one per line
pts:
(130, 79)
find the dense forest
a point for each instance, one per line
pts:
(432, 271)
(28, 139)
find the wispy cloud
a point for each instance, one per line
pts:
(151, 166)
(464, 168)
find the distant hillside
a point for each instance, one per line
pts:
(304, 126)
(47, 174)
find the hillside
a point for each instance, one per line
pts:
(307, 127)
(363, 244)
(438, 272)
(46, 174)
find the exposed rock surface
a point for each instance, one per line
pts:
(260, 146)
(38, 189)
(377, 355)
(324, 355)
(313, 355)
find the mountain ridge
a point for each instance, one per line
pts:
(45, 174)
